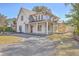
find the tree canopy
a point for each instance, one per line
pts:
(42, 9)
(73, 16)
(3, 21)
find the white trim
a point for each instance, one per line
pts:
(47, 27)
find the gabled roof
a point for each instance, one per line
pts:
(25, 11)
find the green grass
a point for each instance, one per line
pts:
(9, 40)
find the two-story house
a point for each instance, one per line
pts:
(38, 23)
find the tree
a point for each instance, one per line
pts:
(14, 25)
(3, 22)
(73, 16)
(14, 21)
(42, 9)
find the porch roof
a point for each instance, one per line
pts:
(40, 22)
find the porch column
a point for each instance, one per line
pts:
(29, 29)
(36, 27)
(53, 28)
(46, 27)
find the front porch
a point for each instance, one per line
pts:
(41, 27)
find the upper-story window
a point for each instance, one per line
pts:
(46, 17)
(22, 18)
(40, 17)
(31, 18)
(36, 18)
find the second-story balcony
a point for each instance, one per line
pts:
(40, 17)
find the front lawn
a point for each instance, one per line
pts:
(67, 46)
(68, 52)
(59, 37)
(9, 39)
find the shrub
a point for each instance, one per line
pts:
(1, 29)
(6, 29)
(9, 29)
(76, 31)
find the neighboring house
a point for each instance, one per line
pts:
(11, 24)
(32, 22)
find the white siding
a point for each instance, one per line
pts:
(22, 22)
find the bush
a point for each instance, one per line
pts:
(1, 29)
(76, 32)
(6, 29)
(9, 29)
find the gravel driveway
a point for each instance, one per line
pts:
(32, 46)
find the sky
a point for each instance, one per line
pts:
(11, 10)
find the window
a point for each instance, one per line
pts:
(31, 18)
(22, 18)
(46, 17)
(39, 27)
(38, 17)
(41, 17)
